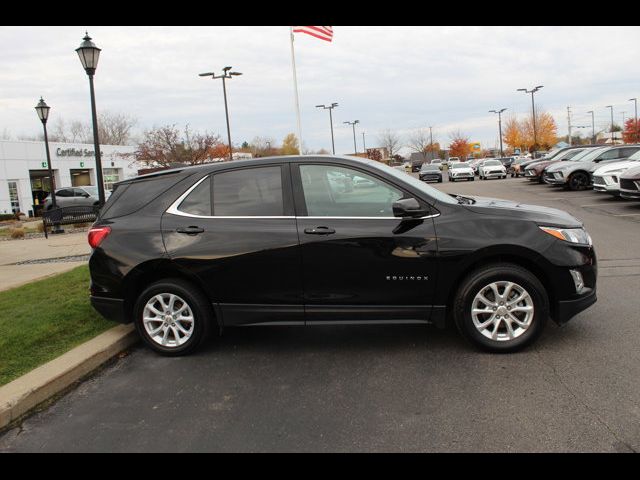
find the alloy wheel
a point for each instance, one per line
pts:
(168, 320)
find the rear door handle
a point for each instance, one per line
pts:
(319, 231)
(191, 230)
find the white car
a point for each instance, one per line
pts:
(460, 171)
(607, 178)
(491, 169)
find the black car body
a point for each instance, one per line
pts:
(430, 173)
(281, 241)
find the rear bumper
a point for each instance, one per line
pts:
(110, 308)
(565, 310)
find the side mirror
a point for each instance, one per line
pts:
(409, 208)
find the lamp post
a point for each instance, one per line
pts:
(330, 107)
(593, 127)
(499, 112)
(353, 124)
(89, 55)
(635, 122)
(225, 75)
(612, 139)
(42, 110)
(364, 145)
(533, 111)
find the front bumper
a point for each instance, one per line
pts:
(430, 178)
(565, 310)
(553, 179)
(494, 174)
(110, 308)
(630, 194)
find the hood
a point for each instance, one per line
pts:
(569, 165)
(612, 167)
(552, 217)
(632, 174)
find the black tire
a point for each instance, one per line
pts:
(198, 304)
(440, 180)
(474, 283)
(578, 181)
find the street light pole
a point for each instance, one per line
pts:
(533, 111)
(330, 107)
(225, 75)
(612, 139)
(353, 124)
(499, 112)
(89, 55)
(364, 145)
(593, 127)
(635, 135)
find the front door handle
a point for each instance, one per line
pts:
(319, 231)
(191, 230)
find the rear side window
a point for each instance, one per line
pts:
(248, 192)
(198, 202)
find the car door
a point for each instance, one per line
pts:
(236, 231)
(359, 262)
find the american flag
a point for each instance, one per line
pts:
(323, 33)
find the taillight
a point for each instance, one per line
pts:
(97, 235)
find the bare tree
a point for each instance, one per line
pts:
(166, 145)
(262, 146)
(113, 129)
(390, 140)
(420, 142)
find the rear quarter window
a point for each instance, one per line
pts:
(127, 198)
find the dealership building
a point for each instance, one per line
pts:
(24, 176)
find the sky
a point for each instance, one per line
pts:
(399, 78)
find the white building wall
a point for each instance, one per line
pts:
(18, 157)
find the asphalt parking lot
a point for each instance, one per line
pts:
(383, 388)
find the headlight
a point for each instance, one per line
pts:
(572, 235)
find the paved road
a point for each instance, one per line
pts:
(405, 388)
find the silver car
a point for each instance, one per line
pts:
(72, 196)
(576, 174)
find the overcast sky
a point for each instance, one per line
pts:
(401, 78)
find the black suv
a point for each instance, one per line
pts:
(304, 240)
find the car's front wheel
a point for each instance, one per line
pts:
(578, 181)
(501, 307)
(172, 317)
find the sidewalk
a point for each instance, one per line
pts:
(14, 251)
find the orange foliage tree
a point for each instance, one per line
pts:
(519, 134)
(459, 146)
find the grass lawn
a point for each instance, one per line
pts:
(44, 319)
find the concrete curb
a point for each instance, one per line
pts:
(35, 387)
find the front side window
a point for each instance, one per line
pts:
(64, 192)
(249, 192)
(333, 191)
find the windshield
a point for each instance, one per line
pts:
(635, 157)
(492, 162)
(413, 181)
(429, 167)
(93, 191)
(459, 165)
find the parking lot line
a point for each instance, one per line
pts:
(626, 214)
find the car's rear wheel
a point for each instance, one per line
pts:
(173, 317)
(578, 181)
(501, 308)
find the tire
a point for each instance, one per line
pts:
(578, 181)
(480, 281)
(472, 179)
(197, 305)
(440, 180)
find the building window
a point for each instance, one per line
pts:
(110, 176)
(13, 197)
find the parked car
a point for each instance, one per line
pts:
(630, 184)
(169, 250)
(534, 170)
(606, 179)
(576, 175)
(438, 162)
(430, 173)
(73, 196)
(515, 168)
(491, 168)
(507, 161)
(460, 171)
(475, 163)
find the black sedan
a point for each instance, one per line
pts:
(187, 252)
(430, 173)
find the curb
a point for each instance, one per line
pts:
(27, 392)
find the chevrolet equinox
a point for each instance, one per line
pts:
(310, 240)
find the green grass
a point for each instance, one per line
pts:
(44, 319)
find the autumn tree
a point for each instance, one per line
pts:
(419, 142)
(513, 134)
(631, 132)
(390, 140)
(374, 154)
(520, 134)
(166, 145)
(459, 146)
(290, 145)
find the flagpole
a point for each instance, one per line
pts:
(295, 87)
